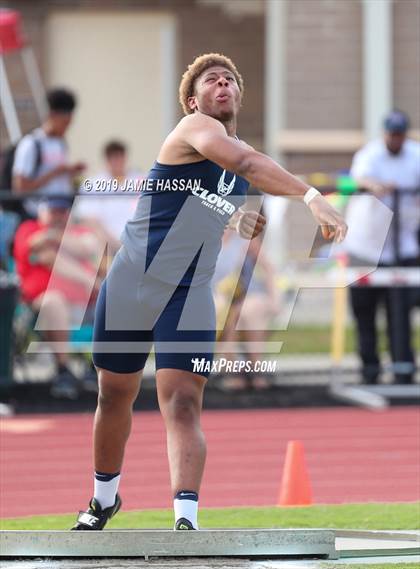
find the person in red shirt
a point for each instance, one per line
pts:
(58, 286)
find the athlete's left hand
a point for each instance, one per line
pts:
(249, 224)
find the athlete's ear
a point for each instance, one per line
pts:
(192, 103)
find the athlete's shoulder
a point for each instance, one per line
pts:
(200, 121)
(180, 144)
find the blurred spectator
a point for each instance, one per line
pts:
(9, 221)
(41, 159)
(64, 293)
(383, 167)
(107, 208)
(255, 300)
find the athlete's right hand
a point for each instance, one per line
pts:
(331, 221)
(249, 224)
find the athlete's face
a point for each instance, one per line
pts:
(216, 94)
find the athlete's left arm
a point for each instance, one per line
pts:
(248, 224)
(209, 138)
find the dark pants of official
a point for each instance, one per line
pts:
(398, 303)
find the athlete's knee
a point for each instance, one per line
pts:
(182, 408)
(112, 397)
(117, 389)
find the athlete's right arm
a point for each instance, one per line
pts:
(209, 138)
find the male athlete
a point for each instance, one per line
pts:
(158, 289)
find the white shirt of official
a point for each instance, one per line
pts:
(369, 219)
(53, 153)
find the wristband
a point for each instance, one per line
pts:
(310, 194)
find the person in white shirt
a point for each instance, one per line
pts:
(102, 204)
(41, 163)
(385, 167)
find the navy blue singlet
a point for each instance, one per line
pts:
(180, 218)
(158, 289)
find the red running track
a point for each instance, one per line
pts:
(352, 456)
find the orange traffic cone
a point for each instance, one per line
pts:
(295, 487)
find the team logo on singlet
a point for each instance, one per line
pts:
(217, 202)
(224, 189)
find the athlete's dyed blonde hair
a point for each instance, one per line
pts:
(197, 67)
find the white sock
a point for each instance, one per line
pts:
(106, 488)
(186, 506)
